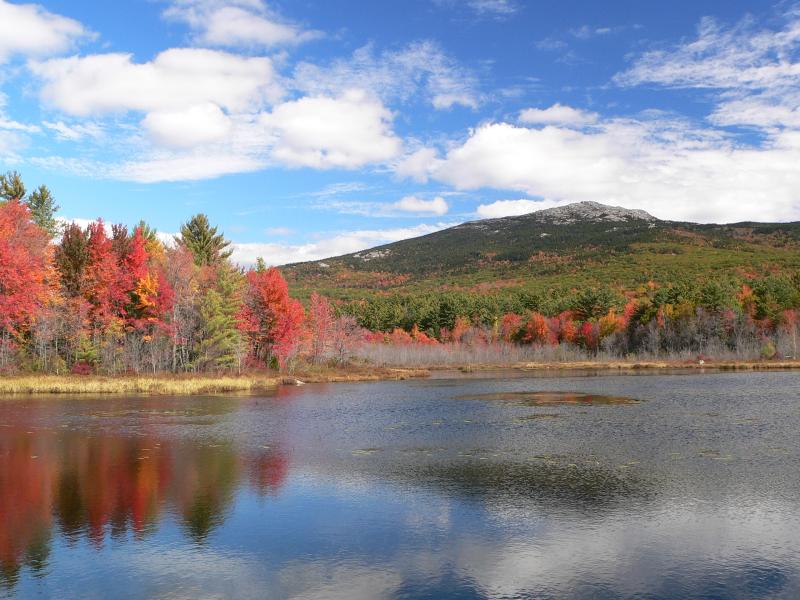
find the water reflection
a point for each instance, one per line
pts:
(405, 490)
(107, 487)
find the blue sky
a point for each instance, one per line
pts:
(312, 128)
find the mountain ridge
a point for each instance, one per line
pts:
(555, 246)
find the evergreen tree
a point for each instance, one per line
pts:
(220, 339)
(148, 233)
(206, 245)
(11, 187)
(43, 208)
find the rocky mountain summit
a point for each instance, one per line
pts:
(590, 211)
(577, 213)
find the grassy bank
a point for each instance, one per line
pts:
(198, 385)
(166, 385)
(179, 386)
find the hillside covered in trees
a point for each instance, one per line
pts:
(574, 282)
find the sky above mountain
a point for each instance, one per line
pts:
(312, 128)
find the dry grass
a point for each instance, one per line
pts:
(179, 386)
(193, 385)
(313, 374)
(198, 385)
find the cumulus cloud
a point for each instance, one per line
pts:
(236, 23)
(194, 104)
(30, 30)
(322, 132)
(335, 245)
(558, 114)
(664, 167)
(173, 116)
(203, 141)
(412, 204)
(198, 124)
(418, 164)
(420, 67)
(174, 80)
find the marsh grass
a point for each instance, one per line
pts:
(179, 386)
(189, 385)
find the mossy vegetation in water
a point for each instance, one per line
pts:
(553, 398)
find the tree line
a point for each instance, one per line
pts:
(108, 299)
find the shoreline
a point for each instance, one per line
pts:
(640, 365)
(195, 385)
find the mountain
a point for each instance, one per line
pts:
(586, 243)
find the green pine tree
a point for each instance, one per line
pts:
(43, 208)
(11, 187)
(206, 245)
(220, 340)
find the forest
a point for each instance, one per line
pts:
(109, 299)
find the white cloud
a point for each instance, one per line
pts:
(10, 144)
(348, 131)
(205, 102)
(418, 164)
(181, 167)
(586, 32)
(236, 23)
(558, 114)
(279, 231)
(493, 7)
(11, 125)
(30, 30)
(512, 208)
(74, 131)
(193, 126)
(756, 71)
(664, 167)
(203, 141)
(412, 204)
(336, 245)
(733, 58)
(399, 75)
(176, 79)
(484, 8)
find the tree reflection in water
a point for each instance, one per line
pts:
(91, 487)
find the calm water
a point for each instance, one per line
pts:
(425, 489)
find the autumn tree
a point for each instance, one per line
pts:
(25, 271)
(182, 275)
(321, 322)
(272, 321)
(106, 284)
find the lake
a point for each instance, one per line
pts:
(491, 486)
